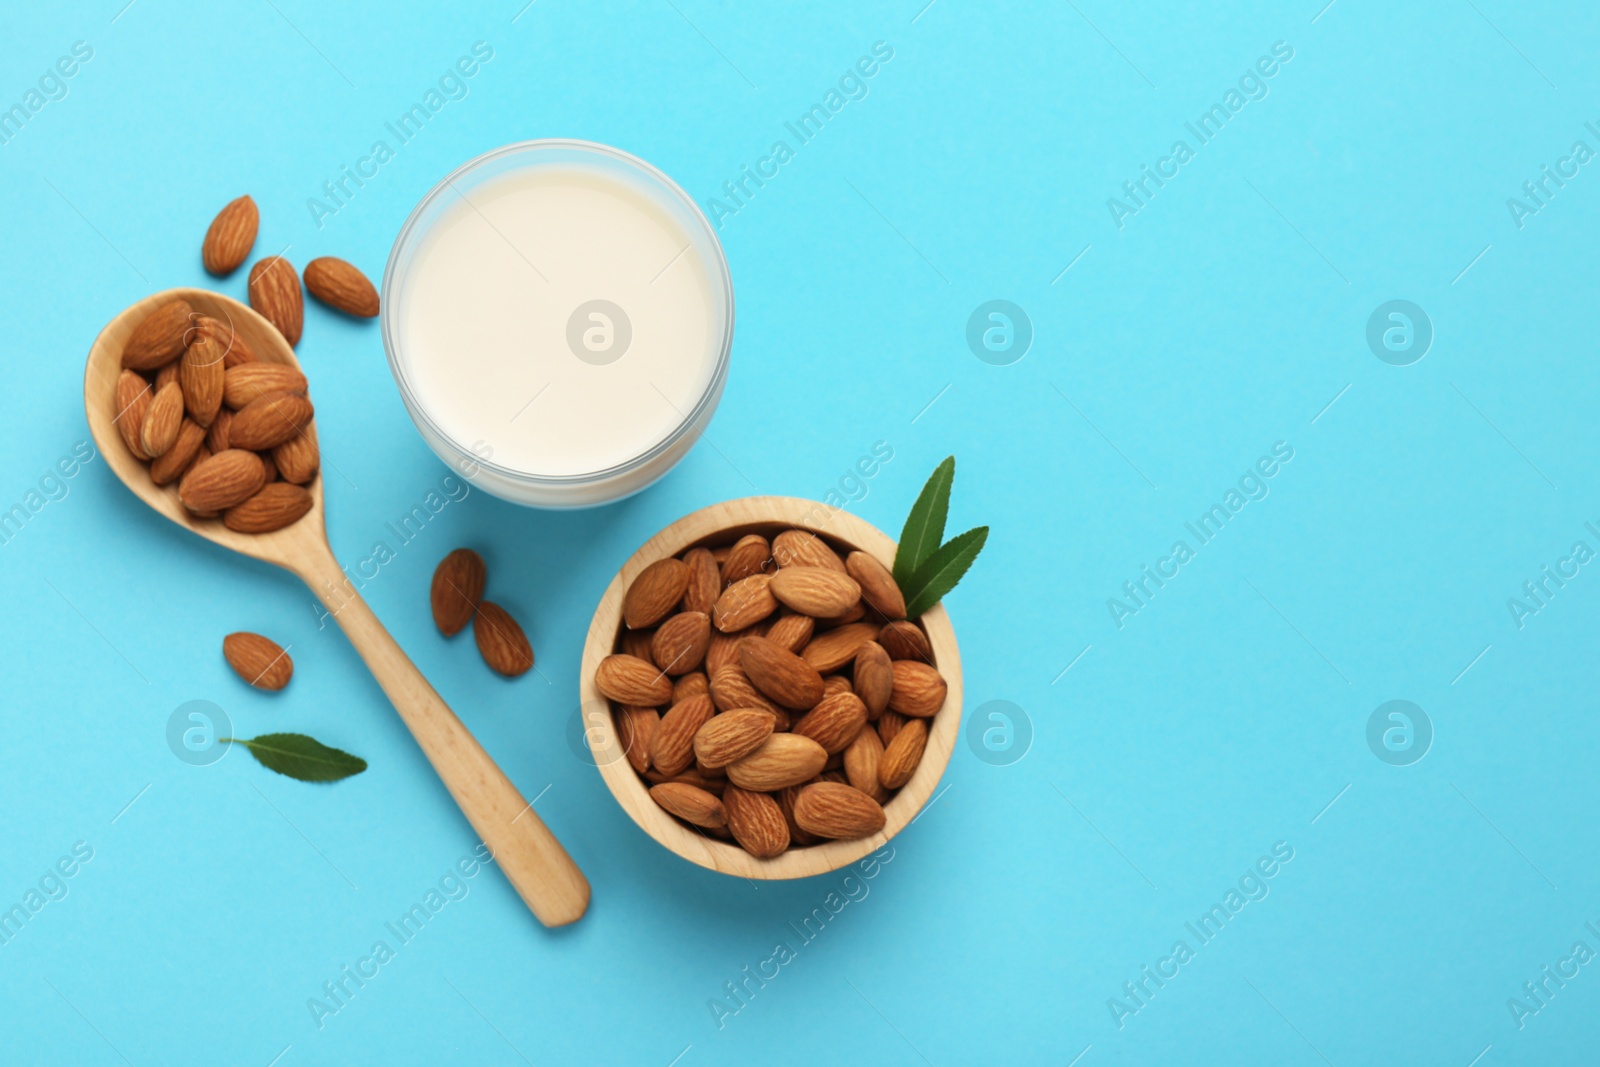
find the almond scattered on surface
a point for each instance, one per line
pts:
(500, 639)
(231, 236)
(258, 660)
(457, 588)
(342, 287)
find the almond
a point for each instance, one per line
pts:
(132, 401)
(705, 581)
(714, 786)
(170, 465)
(782, 760)
(780, 674)
(816, 591)
(222, 480)
(889, 724)
(166, 376)
(756, 821)
(748, 556)
(731, 690)
(689, 804)
(905, 640)
(217, 433)
(277, 505)
(636, 643)
(630, 680)
(679, 645)
(730, 736)
(636, 728)
(342, 287)
(162, 420)
(258, 660)
(786, 803)
(792, 632)
(802, 548)
(901, 756)
(723, 651)
(275, 294)
(251, 381)
(230, 237)
(878, 588)
(200, 375)
(269, 466)
(834, 684)
(270, 420)
(861, 761)
(297, 459)
(223, 337)
(744, 603)
(918, 690)
(874, 677)
(672, 747)
(834, 722)
(832, 649)
(695, 683)
(456, 590)
(159, 338)
(501, 642)
(654, 593)
(828, 809)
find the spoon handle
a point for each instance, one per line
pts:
(546, 878)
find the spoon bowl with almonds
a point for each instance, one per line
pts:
(200, 407)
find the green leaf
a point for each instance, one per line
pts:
(302, 757)
(942, 571)
(924, 527)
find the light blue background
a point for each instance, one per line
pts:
(1223, 717)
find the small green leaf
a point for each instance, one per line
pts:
(302, 757)
(943, 570)
(924, 527)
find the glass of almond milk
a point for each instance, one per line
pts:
(558, 316)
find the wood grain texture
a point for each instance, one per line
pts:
(524, 849)
(768, 516)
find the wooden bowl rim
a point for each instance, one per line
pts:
(632, 792)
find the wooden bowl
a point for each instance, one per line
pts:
(721, 524)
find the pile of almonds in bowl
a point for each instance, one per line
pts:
(768, 688)
(233, 432)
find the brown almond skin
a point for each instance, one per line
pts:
(342, 286)
(832, 649)
(744, 603)
(757, 822)
(834, 723)
(251, 381)
(222, 480)
(217, 432)
(690, 804)
(654, 593)
(873, 678)
(878, 588)
(901, 756)
(792, 632)
(132, 403)
(160, 338)
(723, 651)
(298, 458)
(457, 588)
(672, 747)
(162, 420)
(231, 236)
(730, 736)
(889, 725)
(630, 680)
(636, 728)
(785, 799)
(905, 640)
(841, 812)
(170, 465)
(695, 683)
(802, 548)
(277, 505)
(731, 690)
(749, 555)
(269, 421)
(259, 660)
(781, 760)
(500, 639)
(918, 691)
(861, 761)
(636, 643)
(705, 581)
(816, 591)
(679, 645)
(200, 375)
(780, 674)
(275, 294)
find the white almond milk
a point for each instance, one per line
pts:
(564, 315)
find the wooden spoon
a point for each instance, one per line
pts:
(540, 869)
